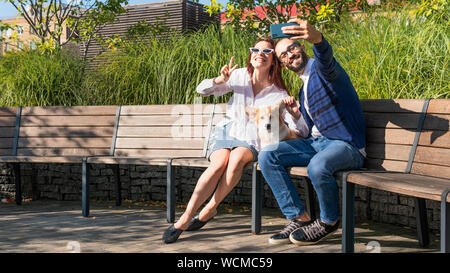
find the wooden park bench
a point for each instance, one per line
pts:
(54, 135)
(408, 152)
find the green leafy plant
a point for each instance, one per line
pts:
(433, 9)
(48, 19)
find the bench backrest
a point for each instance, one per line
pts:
(7, 129)
(432, 156)
(66, 131)
(408, 136)
(164, 131)
(391, 127)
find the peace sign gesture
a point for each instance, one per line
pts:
(225, 72)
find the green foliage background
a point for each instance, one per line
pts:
(386, 56)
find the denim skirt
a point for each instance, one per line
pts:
(221, 139)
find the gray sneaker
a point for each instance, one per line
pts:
(313, 233)
(282, 237)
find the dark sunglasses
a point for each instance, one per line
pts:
(265, 50)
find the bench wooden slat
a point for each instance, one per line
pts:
(301, 171)
(7, 121)
(41, 159)
(67, 121)
(162, 131)
(431, 170)
(173, 109)
(165, 120)
(161, 143)
(128, 160)
(5, 151)
(162, 120)
(441, 106)
(65, 142)
(7, 131)
(388, 120)
(8, 111)
(387, 165)
(201, 162)
(431, 155)
(50, 152)
(66, 131)
(390, 136)
(157, 153)
(6, 143)
(392, 106)
(409, 184)
(437, 122)
(435, 139)
(69, 110)
(388, 151)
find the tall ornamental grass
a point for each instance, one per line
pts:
(29, 78)
(167, 71)
(395, 56)
(386, 56)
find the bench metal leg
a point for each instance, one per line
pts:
(422, 222)
(170, 192)
(348, 221)
(257, 192)
(85, 187)
(445, 223)
(18, 182)
(310, 205)
(116, 171)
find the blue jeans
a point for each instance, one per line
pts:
(323, 157)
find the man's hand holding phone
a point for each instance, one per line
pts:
(303, 30)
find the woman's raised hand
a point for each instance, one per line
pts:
(225, 72)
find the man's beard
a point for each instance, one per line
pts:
(301, 65)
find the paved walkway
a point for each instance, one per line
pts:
(50, 226)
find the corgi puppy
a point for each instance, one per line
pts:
(270, 123)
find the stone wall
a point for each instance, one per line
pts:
(148, 183)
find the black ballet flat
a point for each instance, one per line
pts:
(196, 224)
(171, 234)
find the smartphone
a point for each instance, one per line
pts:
(276, 32)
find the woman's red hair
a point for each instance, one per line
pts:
(275, 69)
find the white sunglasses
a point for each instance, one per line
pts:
(265, 50)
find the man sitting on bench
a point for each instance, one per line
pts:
(334, 140)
